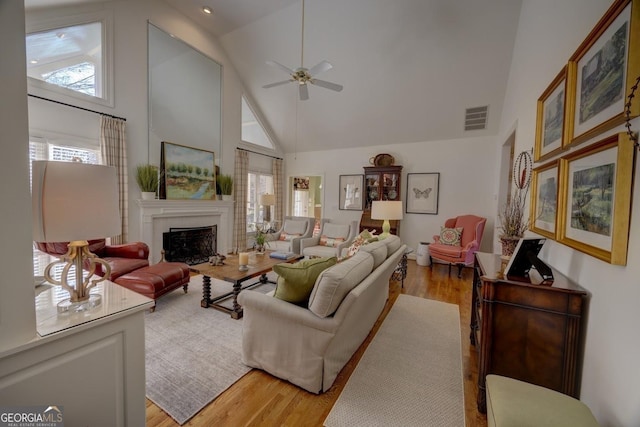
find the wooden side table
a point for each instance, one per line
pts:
(525, 331)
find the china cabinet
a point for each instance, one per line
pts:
(381, 183)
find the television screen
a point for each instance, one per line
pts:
(525, 257)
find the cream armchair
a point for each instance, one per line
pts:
(293, 230)
(331, 240)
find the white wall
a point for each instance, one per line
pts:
(17, 311)
(549, 32)
(466, 168)
(130, 19)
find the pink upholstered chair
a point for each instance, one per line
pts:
(461, 254)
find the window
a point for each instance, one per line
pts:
(70, 58)
(258, 184)
(252, 130)
(39, 150)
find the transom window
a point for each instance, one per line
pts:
(252, 130)
(70, 56)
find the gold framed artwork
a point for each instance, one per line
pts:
(187, 172)
(551, 118)
(595, 198)
(544, 199)
(601, 72)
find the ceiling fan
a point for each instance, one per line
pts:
(303, 75)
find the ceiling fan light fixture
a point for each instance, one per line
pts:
(304, 75)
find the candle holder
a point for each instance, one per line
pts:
(243, 261)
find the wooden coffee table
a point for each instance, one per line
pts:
(259, 265)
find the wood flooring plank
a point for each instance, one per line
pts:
(259, 399)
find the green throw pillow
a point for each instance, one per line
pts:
(296, 281)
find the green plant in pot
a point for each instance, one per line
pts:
(260, 238)
(147, 179)
(225, 182)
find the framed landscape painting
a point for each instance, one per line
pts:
(423, 192)
(351, 192)
(544, 199)
(603, 70)
(596, 198)
(550, 123)
(187, 172)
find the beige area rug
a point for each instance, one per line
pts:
(192, 354)
(411, 373)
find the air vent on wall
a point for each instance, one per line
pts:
(476, 118)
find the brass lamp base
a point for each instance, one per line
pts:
(80, 299)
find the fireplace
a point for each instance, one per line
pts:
(159, 216)
(191, 245)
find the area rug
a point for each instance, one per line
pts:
(411, 373)
(192, 354)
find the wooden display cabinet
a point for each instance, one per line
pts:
(381, 183)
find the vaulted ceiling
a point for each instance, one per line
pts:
(409, 68)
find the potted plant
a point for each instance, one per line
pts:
(147, 179)
(260, 238)
(225, 182)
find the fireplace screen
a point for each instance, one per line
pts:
(192, 245)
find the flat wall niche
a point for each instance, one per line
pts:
(185, 94)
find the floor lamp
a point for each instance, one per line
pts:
(267, 200)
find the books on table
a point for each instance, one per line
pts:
(282, 255)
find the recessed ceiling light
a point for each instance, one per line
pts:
(207, 10)
(61, 35)
(34, 61)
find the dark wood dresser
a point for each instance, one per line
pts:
(525, 331)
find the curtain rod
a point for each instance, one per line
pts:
(255, 152)
(75, 106)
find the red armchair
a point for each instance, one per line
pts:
(130, 267)
(461, 254)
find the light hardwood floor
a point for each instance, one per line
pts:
(258, 399)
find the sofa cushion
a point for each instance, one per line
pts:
(287, 237)
(378, 251)
(295, 281)
(450, 236)
(393, 244)
(334, 283)
(333, 242)
(293, 226)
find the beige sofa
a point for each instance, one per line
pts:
(309, 345)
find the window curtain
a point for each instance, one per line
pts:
(278, 189)
(240, 191)
(113, 148)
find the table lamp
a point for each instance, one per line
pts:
(75, 202)
(386, 210)
(267, 200)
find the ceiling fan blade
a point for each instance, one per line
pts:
(282, 67)
(276, 84)
(327, 85)
(320, 68)
(304, 92)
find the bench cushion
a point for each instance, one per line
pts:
(512, 402)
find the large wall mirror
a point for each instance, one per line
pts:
(185, 93)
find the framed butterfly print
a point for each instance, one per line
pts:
(351, 187)
(422, 193)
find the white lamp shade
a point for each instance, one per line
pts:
(74, 201)
(386, 209)
(268, 199)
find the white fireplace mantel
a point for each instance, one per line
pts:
(158, 216)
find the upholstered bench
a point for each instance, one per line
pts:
(513, 403)
(156, 280)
